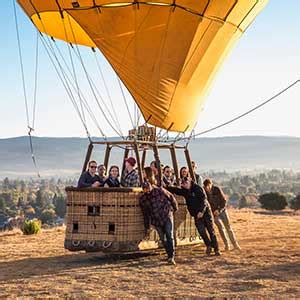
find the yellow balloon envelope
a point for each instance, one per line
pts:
(166, 52)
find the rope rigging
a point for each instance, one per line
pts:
(85, 102)
(89, 81)
(107, 91)
(67, 82)
(274, 97)
(64, 79)
(71, 83)
(30, 126)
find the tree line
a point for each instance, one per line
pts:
(46, 199)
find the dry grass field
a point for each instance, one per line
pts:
(268, 267)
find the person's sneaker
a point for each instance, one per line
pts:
(208, 250)
(171, 261)
(218, 253)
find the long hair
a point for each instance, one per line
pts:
(112, 167)
(149, 175)
(180, 172)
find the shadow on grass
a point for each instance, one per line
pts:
(39, 266)
(276, 212)
(279, 272)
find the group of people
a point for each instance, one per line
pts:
(90, 178)
(205, 201)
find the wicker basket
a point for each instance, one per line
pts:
(110, 219)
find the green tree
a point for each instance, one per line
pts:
(6, 183)
(2, 205)
(273, 201)
(40, 200)
(48, 216)
(59, 202)
(295, 203)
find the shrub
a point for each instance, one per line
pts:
(31, 227)
(248, 201)
(48, 216)
(295, 203)
(272, 201)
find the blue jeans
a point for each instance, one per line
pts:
(166, 235)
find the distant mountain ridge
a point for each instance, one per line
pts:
(65, 156)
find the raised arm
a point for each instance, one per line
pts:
(175, 190)
(171, 198)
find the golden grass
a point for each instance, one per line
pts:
(269, 266)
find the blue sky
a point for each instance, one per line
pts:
(265, 60)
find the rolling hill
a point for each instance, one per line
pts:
(65, 156)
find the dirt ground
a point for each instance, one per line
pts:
(268, 267)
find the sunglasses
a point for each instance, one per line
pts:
(93, 167)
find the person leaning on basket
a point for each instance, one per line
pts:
(89, 178)
(158, 205)
(218, 202)
(130, 177)
(199, 208)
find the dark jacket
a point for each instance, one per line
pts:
(195, 198)
(111, 182)
(86, 180)
(157, 206)
(216, 199)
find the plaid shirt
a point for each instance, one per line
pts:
(130, 179)
(157, 206)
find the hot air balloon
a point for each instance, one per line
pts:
(166, 53)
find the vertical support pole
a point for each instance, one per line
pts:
(137, 155)
(106, 157)
(156, 156)
(126, 153)
(144, 157)
(87, 157)
(189, 163)
(175, 163)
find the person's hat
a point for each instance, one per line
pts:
(131, 160)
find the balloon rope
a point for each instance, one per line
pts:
(247, 112)
(24, 89)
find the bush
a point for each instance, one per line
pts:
(248, 201)
(295, 203)
(48, 216)
(31, 227)
(273, 201)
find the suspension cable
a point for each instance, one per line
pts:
(21, 64)
(74, 72)
(35, 79)
(118, 79)
(94, 90)
(63, 78)
(274, 97)
(85, 102)
(125, 100)
(89, 81)
(30, 128)
(107, 90)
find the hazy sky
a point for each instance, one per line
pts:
(265, 60)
